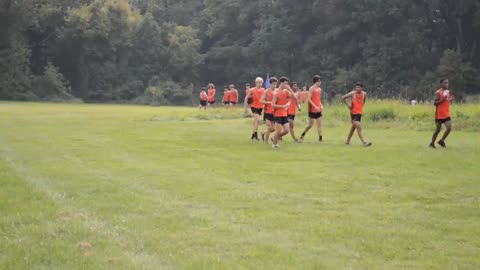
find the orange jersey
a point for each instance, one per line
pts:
(357, 103)
(269, 98)
(211, 94)
(282, 99)
(226, 95)
(316, 99)
(247, 91)
(304, 96)
(203, 96)
(292, 110)
(443, 109)
(256, 97)
(233, 96)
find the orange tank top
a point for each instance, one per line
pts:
(226, 95)
(269, 98)
(292, 110)
(203, 96)
(304, 96)
(443, 109)
(233, 96)
(282, 99)
(357, 103)
(211, 94)
(256, 97)
(316, 99)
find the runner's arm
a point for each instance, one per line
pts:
(344, 98)
(262, 100)
(437, 100)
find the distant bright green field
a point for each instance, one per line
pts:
(130, 187)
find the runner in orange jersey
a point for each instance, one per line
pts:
(226, 97)
(211, 94)
(280, 103)
(266, 100)
(358, 97)
(315, 108)
(442, 113)
(292, 110)
(255, 94)
(233, 96)
(203, 99)
(304, 94)
(247, 90)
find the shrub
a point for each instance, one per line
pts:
(52, 86)
(382, 114)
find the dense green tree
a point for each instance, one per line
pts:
(153, 51)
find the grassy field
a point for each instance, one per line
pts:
(130, 187)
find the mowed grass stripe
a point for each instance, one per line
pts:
(103, 242)
(342, 207)
(209, 215)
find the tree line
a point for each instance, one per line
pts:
(164, 51)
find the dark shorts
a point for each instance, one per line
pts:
(281, 120)
(233, 102)
(314, 115)
(226, 102)
(442, 121)
(291, 117)
(211, 102)
(203, 103)
(356, 117)
(268, 116)
(249, 101)
(257, 111)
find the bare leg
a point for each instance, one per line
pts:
(292, 132)
(319, 127)
(286, 130)
(359, 130)
(350, 134)
(438, 128)
(256, 119)
(270, 129)
(309, 126)
(448, 125)
(278, 133)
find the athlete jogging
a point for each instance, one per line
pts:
(255, 94)
(266, 100)
(292, 110)
(211, 94)
(203, 99)
(358, 97)
(315, 108)
(442, 113)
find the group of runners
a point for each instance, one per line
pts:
(280, 102)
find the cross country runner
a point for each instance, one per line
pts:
(226, 97)
(442, 113)
(255, 94)
(292, 110)
(211, 94)
(247, 90)
(203, 99)
(304, 94)
(233, 96)
(266, 100)
(358, 97)
(315, 108)
(280, 103)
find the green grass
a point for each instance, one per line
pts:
(130, 187)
